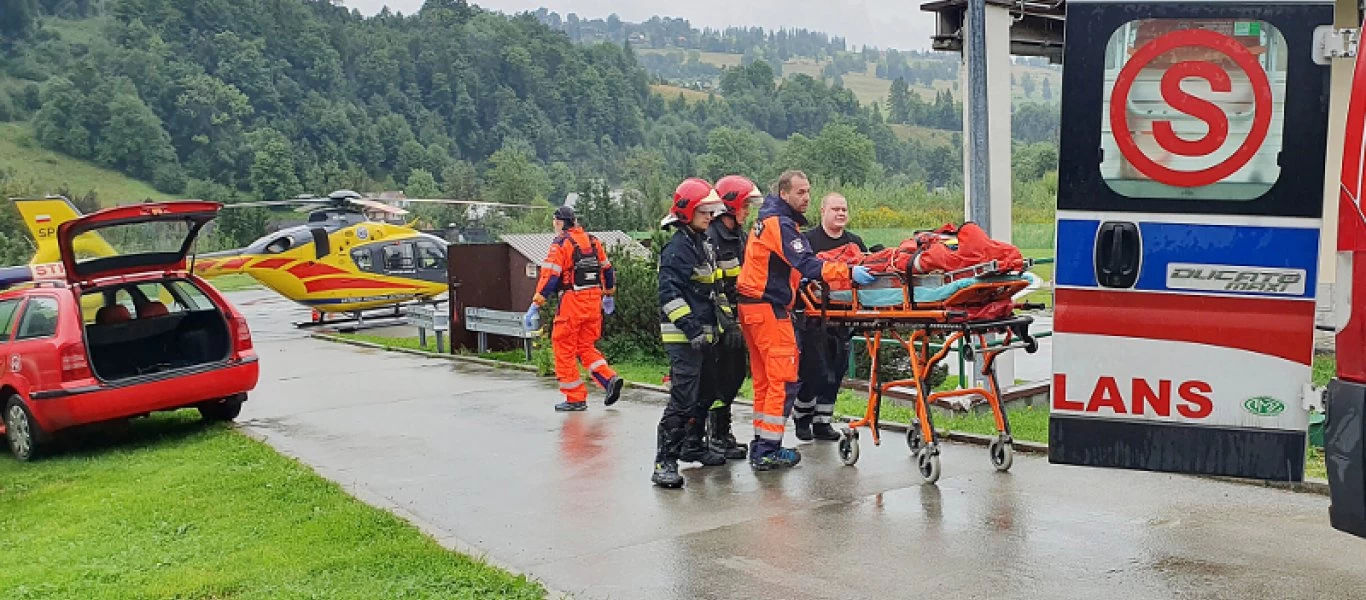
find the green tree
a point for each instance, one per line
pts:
(272, 169)
(844, 155)
(1047, 89)
(515, 177)
(20, 18)
(899, 102)
(133, 141)
(1027, 84)
(421, 184)
(732, 151)
(460, 181)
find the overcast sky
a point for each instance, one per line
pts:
(882, 23)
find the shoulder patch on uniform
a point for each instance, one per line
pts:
(797, 244)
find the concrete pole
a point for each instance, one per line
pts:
(977, 120)
(986, 130)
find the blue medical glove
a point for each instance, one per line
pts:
(861, 275)
(532, 319)
(609, 305)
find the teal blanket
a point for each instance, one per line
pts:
(883, 297)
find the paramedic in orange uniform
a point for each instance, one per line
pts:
(777, 258)
(577, 268)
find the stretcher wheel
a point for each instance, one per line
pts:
(914, 440)
(849, 447)
(1031, 345)
(928, 463)
(1002, 454)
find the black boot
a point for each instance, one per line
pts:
(721, 438)
(803, 428)
(696, 451)
(666, 474)
(824, 431)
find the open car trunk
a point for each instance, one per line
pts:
(151, 328)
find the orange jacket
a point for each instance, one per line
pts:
(778, 257)
(557, 272)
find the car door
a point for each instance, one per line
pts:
(9, 308)
(34, 347)
(1189, 209)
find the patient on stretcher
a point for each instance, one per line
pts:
(940, 264)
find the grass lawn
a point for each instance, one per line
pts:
(170, 507)
(669, 92)
(48, 170)
(235, 282)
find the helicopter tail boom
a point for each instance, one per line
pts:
(42, 216)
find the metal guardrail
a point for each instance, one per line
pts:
(429, 318)
(485, 321)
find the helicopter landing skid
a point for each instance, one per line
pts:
(359, 320)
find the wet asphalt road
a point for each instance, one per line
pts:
(479, 460)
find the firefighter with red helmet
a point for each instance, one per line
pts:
(688, 327)
(577, 268)
(727, 236)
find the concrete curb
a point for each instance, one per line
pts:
(1308, 486)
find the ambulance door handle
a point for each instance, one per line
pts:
(1117, 255)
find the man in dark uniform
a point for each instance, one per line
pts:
(727, 236)
(825, 350)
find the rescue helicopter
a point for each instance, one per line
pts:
(346, 259)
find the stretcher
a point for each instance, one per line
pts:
(971, 305)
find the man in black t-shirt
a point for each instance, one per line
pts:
(824, 350)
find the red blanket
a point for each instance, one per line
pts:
(927, 253)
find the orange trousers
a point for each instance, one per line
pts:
(577, 327)
(773, 364)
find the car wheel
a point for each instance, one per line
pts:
(21, 431)
(226, 409)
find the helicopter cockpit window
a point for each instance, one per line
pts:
(279, 245)
(398, 257)
(430, 256)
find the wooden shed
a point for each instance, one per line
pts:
(503, 275)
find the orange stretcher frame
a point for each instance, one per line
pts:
(915, 325)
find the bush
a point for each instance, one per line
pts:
(7, 110)
(893, 363)
(632, 331)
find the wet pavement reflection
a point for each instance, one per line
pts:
(476, 456)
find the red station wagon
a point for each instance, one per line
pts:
(124, 335)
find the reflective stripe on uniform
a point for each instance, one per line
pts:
(671, 334)
(596, 364)
(822, 419)
(704, 274)
(778, 420)
(569, 385)
(553, 267)
(730, 268)
(677, 309)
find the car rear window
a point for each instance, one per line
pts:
(176, 295)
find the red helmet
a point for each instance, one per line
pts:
(692, 195)
(735, 191)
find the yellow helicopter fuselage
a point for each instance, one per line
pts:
(365, 265)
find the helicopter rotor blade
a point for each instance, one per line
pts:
(377, 205)
(470, 202)
(268, 203)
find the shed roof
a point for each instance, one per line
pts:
(535, 246)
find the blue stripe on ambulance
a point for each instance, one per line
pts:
(1165, 243)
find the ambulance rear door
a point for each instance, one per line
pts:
(1189, 204)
